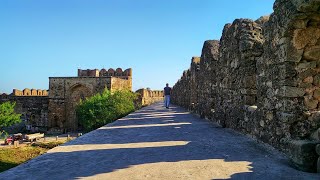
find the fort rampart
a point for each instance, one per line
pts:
(263, 79)
(148, 96)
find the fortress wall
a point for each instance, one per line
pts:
(33, 109)
(126, 74)
(65, 94)
(207, 82)
(147, 96)
(120, 84)
(28, 92)
(263, 80)
(31, 104)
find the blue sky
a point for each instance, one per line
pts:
(41, 39)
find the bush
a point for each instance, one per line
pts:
(7, 115)
(104, 108)
(48, 145)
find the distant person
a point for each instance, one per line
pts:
(167, 93)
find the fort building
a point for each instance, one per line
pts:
(66, 93)
(54, 109)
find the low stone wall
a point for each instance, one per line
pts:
(261, 79)
(147, 96)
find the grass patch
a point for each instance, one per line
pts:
(11, 157)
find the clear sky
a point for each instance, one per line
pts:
(41, 39)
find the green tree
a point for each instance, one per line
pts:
(104, 108)
(7, 115)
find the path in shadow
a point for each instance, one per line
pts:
(156, 143)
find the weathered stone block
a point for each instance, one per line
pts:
(304, 37)
(303, 154)
(287, 91)
(310, 102)
(306, 65)
(316, 94)
(312, 53)
(316, 80)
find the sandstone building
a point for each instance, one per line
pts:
(263, 78)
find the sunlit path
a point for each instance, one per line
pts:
(157, 143)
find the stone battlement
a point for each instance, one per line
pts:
(148, 96)
(29, 92)
(105, 73)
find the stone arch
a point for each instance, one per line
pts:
(55, 122)
(75, 94)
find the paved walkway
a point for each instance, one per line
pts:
(156, 143)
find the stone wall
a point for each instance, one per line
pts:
(28, 92)
(33, 109)
(104, 73)
(187, 87)
(147, 96)
(66, 93)
(120, 84)
(207, 82)
(262, 79)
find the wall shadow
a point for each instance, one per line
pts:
(170, 141)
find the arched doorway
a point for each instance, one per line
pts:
(74, 95)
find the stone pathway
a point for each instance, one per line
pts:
(157, 143)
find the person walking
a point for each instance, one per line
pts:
(167, 93)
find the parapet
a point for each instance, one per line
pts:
(28, 92)
(195, 60)
(148, 96)
(105, 73)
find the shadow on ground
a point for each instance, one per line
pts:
(156, 143)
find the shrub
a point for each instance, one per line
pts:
(7, 115)
(104, 108)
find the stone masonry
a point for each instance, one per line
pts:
(263, 79)
(148, 96)
(54, 110)
(66, 93)
(31, 104)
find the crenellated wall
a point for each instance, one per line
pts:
(147, 96)
(262, 79)
(33, 108)
(28, 92)
(105, 73)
